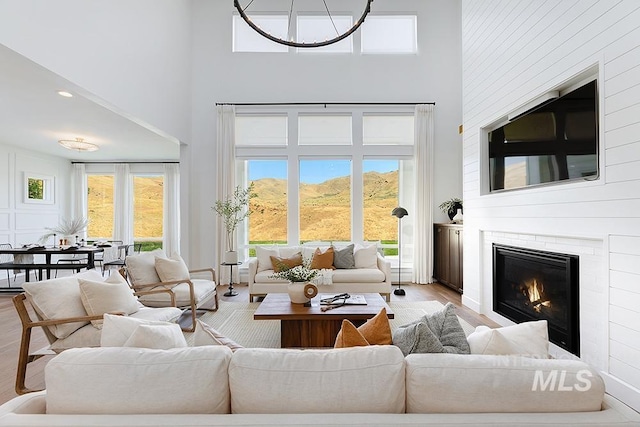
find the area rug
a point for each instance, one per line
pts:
(235, 320)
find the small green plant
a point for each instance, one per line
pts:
(234, 210)
(299, 273)
(451, 205)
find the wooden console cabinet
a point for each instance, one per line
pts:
(447, 252)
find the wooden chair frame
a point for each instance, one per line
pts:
(25, 356)
(167, 286)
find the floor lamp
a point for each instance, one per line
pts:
(399, 213)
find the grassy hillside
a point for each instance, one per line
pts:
(147, 219)
(325, 209)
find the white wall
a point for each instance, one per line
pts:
(222, 76)
(132, 57)
(21, 222)
(511, 53)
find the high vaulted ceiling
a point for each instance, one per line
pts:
(34, 116)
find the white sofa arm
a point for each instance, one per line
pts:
(385, 266)
(253, 270)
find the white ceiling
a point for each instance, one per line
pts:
(34, 116)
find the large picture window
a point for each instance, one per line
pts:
(334, 175)
(148, 209)
(100, 206)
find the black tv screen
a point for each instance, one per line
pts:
(557, 141)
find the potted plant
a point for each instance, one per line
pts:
(234, 210)
(451, 206)
(299, 289)
(66, 229)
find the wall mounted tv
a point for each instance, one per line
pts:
(557, 141)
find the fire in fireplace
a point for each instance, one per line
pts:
(537, 285)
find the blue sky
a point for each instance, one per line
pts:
(315, 171)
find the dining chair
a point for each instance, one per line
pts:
(7, 259)
(123, 252)
(99, 257)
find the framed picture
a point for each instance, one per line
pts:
(38, 188)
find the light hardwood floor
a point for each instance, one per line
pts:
(10, 330)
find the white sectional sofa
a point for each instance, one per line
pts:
(373, 386)
(371, 274)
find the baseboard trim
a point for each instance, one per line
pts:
(622, 391)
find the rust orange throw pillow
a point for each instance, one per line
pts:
(283, 264)
(349, 336)
(376, 331)
(322, 260)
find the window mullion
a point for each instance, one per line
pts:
(293, 182)
(357, 203)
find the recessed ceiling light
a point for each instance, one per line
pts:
(65, 93)
(78, 144)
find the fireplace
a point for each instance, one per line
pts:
(537, 285)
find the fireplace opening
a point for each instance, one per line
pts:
(537, 285)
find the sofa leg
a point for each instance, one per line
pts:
(387, 297)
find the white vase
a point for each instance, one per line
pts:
(231, 257)
(301, 292)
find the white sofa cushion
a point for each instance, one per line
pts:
(142, 268)
(459, 383)
(59, 299)
(109, 296)
(264, 257)
(162, 337)
(357, 379)
(525, 339)
(189, 380)
(358, 275)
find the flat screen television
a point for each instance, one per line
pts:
(554, 142)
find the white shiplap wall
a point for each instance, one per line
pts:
(512, 52)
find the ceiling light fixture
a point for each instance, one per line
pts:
(291, 38)
(79, 144)
(65, 94)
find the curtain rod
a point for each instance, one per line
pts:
(129, 163)
(321, 103)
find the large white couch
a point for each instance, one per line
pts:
(372, 273)
(373, 386)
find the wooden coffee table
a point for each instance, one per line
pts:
(302, 326)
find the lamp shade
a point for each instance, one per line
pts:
(399, 212)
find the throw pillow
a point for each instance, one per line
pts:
(116, 330)
(264, 258)
(57, 299)
(343, 258)
(366, 257)
(111, 296)
(439, 332)
(375, 331)
(322, 260)
(161, 337)
(526, 339)
(283, 264)
(171, 269)
(349, 336)
(142, 268)
(206, 335)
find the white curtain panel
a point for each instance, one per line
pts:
(171, 209)
(225, 183)
(123, 204)
(79, 194)
(423, 230)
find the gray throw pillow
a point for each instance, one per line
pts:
(343, 258)
(439, 332)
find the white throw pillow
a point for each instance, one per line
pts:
(57, 299)
(111, 296)
(171, 269)
(526, 339)
(264, 258)
(116, 330)
(206, 335)
(161, 337)
(142, 268)
(366, 257)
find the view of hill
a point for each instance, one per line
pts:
(147, 221)
(325, 209)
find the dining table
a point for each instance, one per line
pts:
(23, 253)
